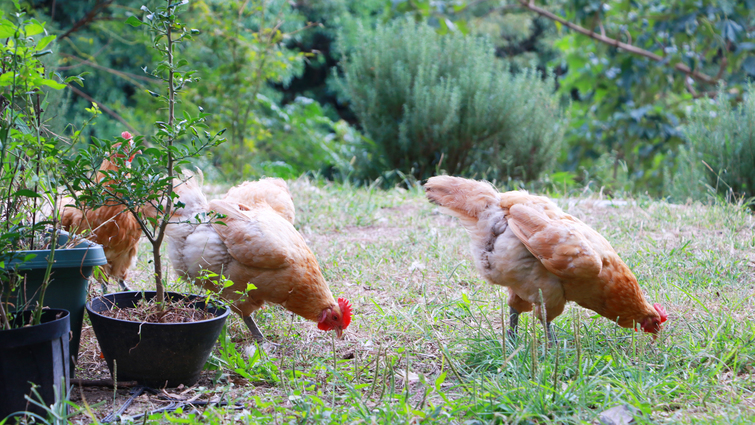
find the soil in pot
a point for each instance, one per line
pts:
(154, 354)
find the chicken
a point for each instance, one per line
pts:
(112, 225)
(544, 256)
(273, 191)
(251, 244)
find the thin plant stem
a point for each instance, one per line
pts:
(375, 375)
(335, 365)
(533, 351)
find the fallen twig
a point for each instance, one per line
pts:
(102, 383)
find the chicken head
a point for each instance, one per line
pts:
(653, 324)
(336, 318)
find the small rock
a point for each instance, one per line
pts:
(619, 415)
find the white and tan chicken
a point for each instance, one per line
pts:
(254, 244)
(544, 256)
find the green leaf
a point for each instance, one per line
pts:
(45, 41)
(439, 380)
(7, 29)
(42, 53)
(75, 79)
(6, 79)
(26, 193)
(51, 83)
(749, 66)
(155, 152)
(731, 29)
(33, 29)
(134, 21)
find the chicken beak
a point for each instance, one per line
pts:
(339, 332)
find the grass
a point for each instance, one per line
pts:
(426, 341)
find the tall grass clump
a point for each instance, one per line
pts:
(719, 158)
(432, 102)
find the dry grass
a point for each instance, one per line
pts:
(425, 343)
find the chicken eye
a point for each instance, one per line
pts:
(335, 317)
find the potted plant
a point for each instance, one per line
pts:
(39, 267)
(152, 349)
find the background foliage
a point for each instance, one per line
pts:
(446, 102)
(628, 107)
(720, 156)
(269, 70)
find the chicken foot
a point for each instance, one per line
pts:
(514, 325)
(256, 334)
(121, 284)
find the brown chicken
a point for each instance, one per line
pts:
(112, 226)
(251, 244)
(543, 255)
(273, 191)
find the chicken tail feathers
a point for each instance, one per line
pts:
(189, 189)
(461, 197)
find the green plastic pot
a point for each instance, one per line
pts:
(69, 281)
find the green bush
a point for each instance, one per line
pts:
(433, 102)
(719, 157)
(302, 139)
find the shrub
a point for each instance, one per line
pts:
(433, 101)
(719, 156)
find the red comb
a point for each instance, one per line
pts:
(345, 306)
(661, 311)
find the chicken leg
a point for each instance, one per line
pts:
(256, 334)
(514, 325)
(121, 284)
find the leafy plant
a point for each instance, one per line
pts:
(29, 153)
(446, 102)
(308, 141)
(632, 69)
(58, 413)
(254, 367)
(146, 189)
(243, 51)
(720, 152)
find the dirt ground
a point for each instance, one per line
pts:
(104, 400)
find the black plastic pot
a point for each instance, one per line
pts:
(72, 268)
(154, 354)
(37, 354)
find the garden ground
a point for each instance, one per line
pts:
(426, 341)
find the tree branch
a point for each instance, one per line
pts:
(613, 42)
(88, 18)
(125, 75)
(104, 108)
